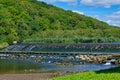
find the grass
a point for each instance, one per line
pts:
(109, 74)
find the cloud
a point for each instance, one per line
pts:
(67, 0)
(78, 12)
(105, 3)
(72, 2)
(48, 1)
(112, 19)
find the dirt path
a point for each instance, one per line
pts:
(36, 76)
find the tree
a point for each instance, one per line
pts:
(12, 36)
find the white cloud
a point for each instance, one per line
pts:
(105, 3)
(67, 0)
(78, 12)
(72, 2)
(48, 1)
(112, 19)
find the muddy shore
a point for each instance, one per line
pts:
(31, 76)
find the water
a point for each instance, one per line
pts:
(23, 63)
(76, 68)
(17, 66)
(20, 66)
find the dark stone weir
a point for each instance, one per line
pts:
(83, 47)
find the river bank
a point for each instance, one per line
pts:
(30, 76)
(108, 74)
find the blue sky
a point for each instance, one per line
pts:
(105, 10)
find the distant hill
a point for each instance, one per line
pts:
(30, 21)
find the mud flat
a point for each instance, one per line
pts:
(31, 76)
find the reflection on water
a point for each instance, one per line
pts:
(15, 66)
(19, 66)
(76, 68)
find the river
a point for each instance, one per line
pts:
(21, 66)
(24, 63)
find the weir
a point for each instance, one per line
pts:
(84, 47)
(57, 57)
(59, 52)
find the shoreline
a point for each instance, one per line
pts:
(45, 75)
(31, 76)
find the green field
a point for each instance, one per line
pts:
(110, 74)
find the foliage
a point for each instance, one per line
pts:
(3, 45)
(29, 19)
(72, 36)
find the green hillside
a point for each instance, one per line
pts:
(33, 21)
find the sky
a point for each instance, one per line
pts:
(104, 10)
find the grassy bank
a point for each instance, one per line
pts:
(109, 74)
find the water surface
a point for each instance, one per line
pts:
(19, 66)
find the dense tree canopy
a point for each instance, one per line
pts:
(33, 21)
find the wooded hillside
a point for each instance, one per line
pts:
(33, 21)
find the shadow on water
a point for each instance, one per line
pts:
(108, 71)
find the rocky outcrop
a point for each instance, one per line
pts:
(100, 59)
